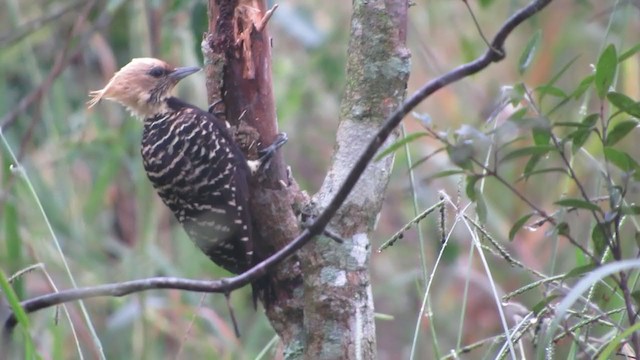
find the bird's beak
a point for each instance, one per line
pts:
(182, 72)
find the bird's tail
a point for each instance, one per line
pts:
(263, 289)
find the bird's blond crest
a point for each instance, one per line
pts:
(141, 86)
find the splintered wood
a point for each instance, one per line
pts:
(246, 20)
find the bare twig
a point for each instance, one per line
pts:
(493, 54)
(260, 26)
(475, 21)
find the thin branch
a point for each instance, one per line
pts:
(493, 54)
(475, 21)
(493, 173)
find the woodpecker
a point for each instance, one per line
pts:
(192, 161)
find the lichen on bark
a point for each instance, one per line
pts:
(324, 307)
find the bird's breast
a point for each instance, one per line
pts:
(186, 156)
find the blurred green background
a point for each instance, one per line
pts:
(85, 167)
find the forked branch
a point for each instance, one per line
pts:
(494, 53)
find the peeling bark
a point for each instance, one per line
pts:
(237, 53)
(330, 314)
(338, 302)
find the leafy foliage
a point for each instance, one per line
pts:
(598, 196)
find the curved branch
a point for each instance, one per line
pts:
(493, 54)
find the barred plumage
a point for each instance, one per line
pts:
(202, 176)
(191, 159)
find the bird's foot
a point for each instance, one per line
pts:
(212, 108)
(266, 154)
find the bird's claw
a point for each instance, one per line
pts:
(267, 153)
(212, 108)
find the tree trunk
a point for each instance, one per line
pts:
(338, 302)
(237, 55)
(327, 313)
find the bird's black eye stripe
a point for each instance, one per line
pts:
(157, 71)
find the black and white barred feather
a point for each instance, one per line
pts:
(202, 176)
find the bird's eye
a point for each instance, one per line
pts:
(157, 71)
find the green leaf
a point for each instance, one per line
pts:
(529, 52)
(623, 161)
(531, 165)
(14, 244)
(599, 240)
(563, 229)
(14, 303)
(630, 210)
(629, 53)
(583, 86)
(398, 144)
(486, 3)
(450, 253)
(551, 90)
(580, 136)
(613, 345)
(518, 225)
(606, 70)
(619, 131)
(579, 271)
(537, 308)
(590, 120)
(570, 124)
(577, 203)
(470, 189)
(517, 94)
(624, 103)
(13, 252)
(636, 297)
(541, 135)
(526, 151)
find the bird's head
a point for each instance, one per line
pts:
(142, 86)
